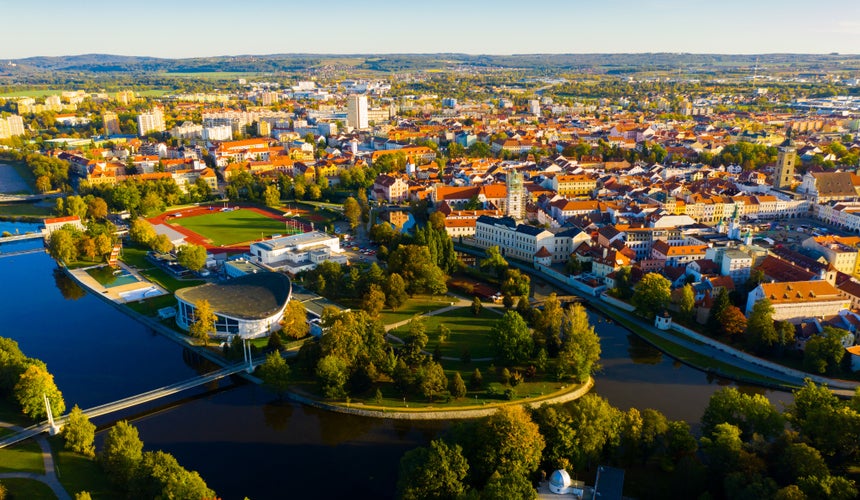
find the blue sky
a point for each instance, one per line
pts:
(189, 28)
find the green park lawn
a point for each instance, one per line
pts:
(230, 228)
(27, 488)
(22, 457)
(25, 210)
(417, 305)
(80, 473)
(467, 332)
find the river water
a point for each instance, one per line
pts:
(240, 438)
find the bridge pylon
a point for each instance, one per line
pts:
(54, 428)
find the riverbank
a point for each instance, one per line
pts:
(572, 393)
(721, 362)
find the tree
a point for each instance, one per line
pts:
(332, 375)
(151, 204)
(275, 373)
(204, 321)
(623, 287)
(395, 291)
(418, 270)
(752, 414)
(580, 350)
(508, 442)
(96, 208)
(76, 206)
(732, 321)
(352, 212)
(373, 301)
(79, 433)
(294, 324)
(87, 247)
(828, 488)
(122, 452)
(823, 353)
(761, 333)
(141, 231)
(457, 387)
(721, 303)
(433, 381)
(62, 246)
(476, 306)
(516, 284)
(191, 256)
(434, 472)
(102, 244)
(799, 460)
(81, 495)
(30, 391)
(159, 475)
(476, 381)
(508, 486)
(511, 339)
(547, 323)
(686, 301)
(272, 196)
(494, 261)
(651, 295)
(597, 425)
(43, 183)
(161, 244)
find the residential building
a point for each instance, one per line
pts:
(677, 254)
(52, 225)
(111, 123)
(572, 185)
(390, 188)
(150, 122)
(518, 241)
(736, 264)
(797, 300)
(356, 111)
(840, 252)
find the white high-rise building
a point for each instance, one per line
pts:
(111, 123)
(16, 125)
(516, 204)
(356, 111)
(150, 122)
(534, 107)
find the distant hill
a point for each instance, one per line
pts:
(602, 63)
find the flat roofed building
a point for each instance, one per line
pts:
(297, 253)
(250, 306)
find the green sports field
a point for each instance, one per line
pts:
(231, 228)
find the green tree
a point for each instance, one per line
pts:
(437, 471)
(761, 334)
(752, 414)
(272, 196)
(828, 488)
(508, 442)
(352, 212)
(96, 208)
(415, 265)
(598, 427)
(332, 374)
(799, 460)
(121, 453)
(623, 287)
(580, 350)
(547, 324)
(476, 381)
(151, 204)
(81, 495)
(511, 340)
(508, 486)
(476, 306)
(191, 256)
(494, 261)
(294, 324)
(433, 380)
(63, 246)
(373, 301)
(395, 290)
(76, 206)
(824, 352)
(457, 386)
(36, 383)
(686, 301)
(161, 244)
(204, 321)
(275, 373)
(721, 303)
(79, 433)
(102, 245)
(651, 295)
(516, 284)
(159, 475)
(141, 231)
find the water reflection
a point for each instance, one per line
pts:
(643, 353)
(277, 414)
(67, 287)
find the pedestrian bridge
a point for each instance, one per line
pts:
(21, 237)
(131, 401)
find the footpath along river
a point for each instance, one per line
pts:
(240, 438)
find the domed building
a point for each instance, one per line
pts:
(559, 482)
(250, 306)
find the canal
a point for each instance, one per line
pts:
(240, 438)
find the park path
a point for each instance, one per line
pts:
(50, 477)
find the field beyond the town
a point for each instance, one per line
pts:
(231, 228)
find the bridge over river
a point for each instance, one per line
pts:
(131, 401)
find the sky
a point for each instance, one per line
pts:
(193, 28)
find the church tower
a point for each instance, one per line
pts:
(783, 175)
(516, 205)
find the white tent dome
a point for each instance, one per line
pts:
(559, 482)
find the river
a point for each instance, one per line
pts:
(240, 438)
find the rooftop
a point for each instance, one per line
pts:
(253, 296)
